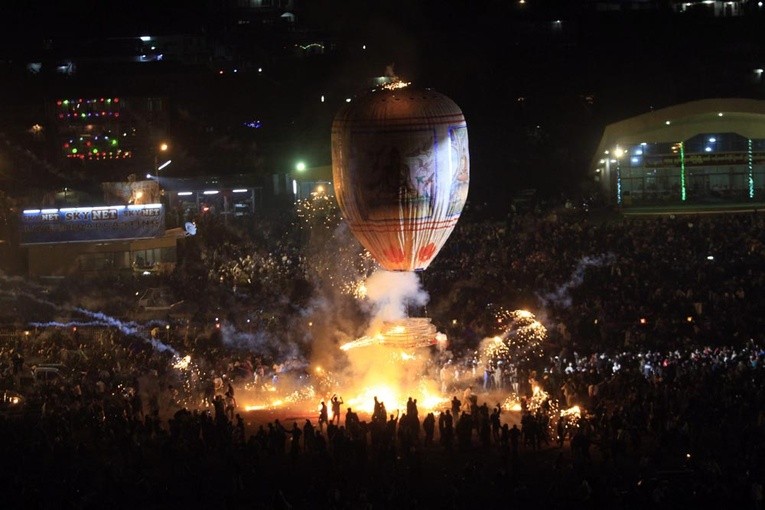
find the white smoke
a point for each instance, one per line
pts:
(561, 296)
(260, 342)
(18, 287)
(391, 293)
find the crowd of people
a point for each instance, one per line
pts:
(654, 332)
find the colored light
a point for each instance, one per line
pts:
(750, 168)
(683, 195)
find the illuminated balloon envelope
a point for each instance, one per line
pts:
(401, 172)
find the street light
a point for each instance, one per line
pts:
(162, 148)
(300, 167)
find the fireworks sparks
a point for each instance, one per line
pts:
(346, 265)
(395, 85)
(182, 363)
(521, 342)
(540, 400)
(495, 351)
(573, 412)
(391, 365)
(409, 333)
(301, 397)
(395, 399)
(319, 211)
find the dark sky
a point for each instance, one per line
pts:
(537, 83)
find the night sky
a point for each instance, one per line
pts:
(537, 82)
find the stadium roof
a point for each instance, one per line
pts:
(681, 122)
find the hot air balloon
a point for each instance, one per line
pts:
(401, 172)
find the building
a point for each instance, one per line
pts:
(716, 8)
(231, 196)
(125, 233)
(702, 153)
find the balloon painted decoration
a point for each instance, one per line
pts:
(401, 171)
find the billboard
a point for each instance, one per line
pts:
(86, 224)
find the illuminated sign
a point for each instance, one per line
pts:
(84, 224)
(701, 159)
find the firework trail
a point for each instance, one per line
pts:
(18, 287)
(561, 297)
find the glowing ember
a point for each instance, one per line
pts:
(572, 411)
(182, 363)
(513, 406)
(540, 400)
(298, 398)
(395, 85)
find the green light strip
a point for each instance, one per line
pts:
(682, 172)
(750, 164)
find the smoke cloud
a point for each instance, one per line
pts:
(561, 297)
(391, 293)
(18, 287)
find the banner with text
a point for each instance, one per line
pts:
(703, 159)
(84, 224)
